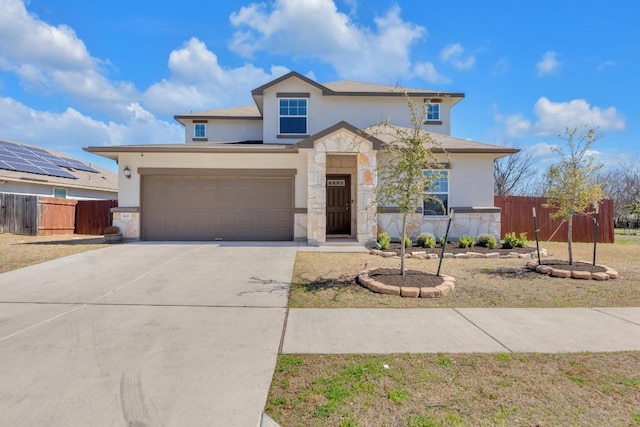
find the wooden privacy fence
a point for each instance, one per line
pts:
(33, 215)
(517, 216)
(93, 216)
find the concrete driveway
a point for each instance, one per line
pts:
(144, 335)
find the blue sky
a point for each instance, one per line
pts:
(78, 73)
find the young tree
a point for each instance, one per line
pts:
(400, 168)
(571, 183)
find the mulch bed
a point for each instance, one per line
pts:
(412, 278)
(577, 266)
(454, 249)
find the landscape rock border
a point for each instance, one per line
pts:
(445, 288)
(462, 255)
(608, 274)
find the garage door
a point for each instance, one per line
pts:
(217, 207)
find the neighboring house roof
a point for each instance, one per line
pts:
(339, 88)
(103, 180)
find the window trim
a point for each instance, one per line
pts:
(437, 117)
(195, 130)
(447, 193)
(306, 117)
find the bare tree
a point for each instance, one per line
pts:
(513, 175)
(622, 185)
(572, 182)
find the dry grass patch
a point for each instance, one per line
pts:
(21, 251)
(329, 280)
(456, 390)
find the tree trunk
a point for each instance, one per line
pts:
(569, 239)
(402, 249)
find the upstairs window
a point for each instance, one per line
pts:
(200, 130)
(439, 190)
(433, 111)
(293, 116)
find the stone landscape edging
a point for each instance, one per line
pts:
(608, 274)
(445, 288)
(462, 255)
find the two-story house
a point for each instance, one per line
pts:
(298, 164)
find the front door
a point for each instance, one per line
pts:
(339, 204)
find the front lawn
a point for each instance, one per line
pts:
(328, 280)
(18, 251)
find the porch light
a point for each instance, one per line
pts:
(127, 172)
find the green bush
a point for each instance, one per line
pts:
(384, 240)
(486, 241)
(407, 242)
(442, 242)
(426, 240)
(510, 241)
(522, 240)
(466, 242)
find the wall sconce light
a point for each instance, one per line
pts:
(127, 172)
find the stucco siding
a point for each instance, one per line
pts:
(471, 180)
(130, 188)
(228, 131)
(361, 112)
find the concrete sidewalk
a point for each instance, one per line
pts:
(462, 330)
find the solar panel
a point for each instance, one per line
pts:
(22, 158)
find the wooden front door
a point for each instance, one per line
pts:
(338, 204)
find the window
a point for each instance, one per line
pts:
(433, 111)
(200, 130)
(60, 193)
(293, 116)
(439, 190)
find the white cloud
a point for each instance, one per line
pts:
(453, 54)
(71, 130)
(553, 117)
(427, 71)
(54, 59)
(198, 82)
(549, 63)
(316, 29)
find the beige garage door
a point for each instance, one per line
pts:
(206, 207)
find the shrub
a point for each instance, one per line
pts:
(522, 240)
(112, 229)
(407, 242)
(426, 240)
(466, 241)
(442, 242)
(384, 240)
(512, 241)
(486, 241)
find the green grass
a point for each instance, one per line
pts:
(590, 389)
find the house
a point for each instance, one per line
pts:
(37, 171)
(298, 164)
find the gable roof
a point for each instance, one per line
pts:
(338, 88)
(103, 180)
(310, 141)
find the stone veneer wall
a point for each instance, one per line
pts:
(341, 142)
(472, 224)
(128, 219)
